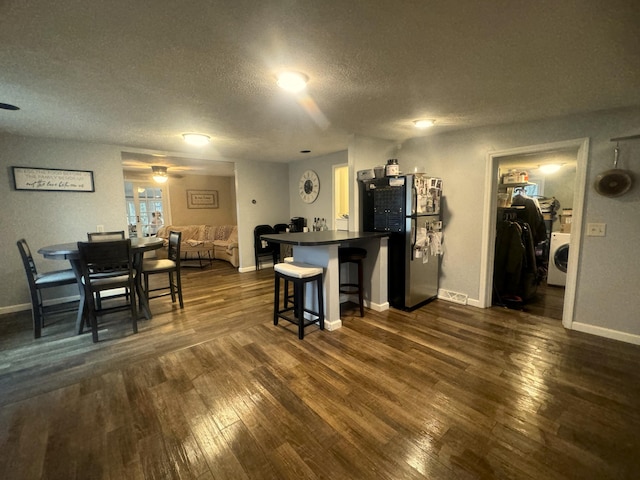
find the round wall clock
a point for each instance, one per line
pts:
(309, 186)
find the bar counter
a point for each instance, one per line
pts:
(321, 248)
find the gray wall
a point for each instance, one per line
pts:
(322, 207)
(45, 218)
(262, 190)
(607, 272)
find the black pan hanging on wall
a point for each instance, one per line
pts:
(615, 181)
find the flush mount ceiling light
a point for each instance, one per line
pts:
(197, 139)
(549, 168)
(160, 173)
(424, 123)
(292, 81)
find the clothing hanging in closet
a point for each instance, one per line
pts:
(515, 269)
(532, 215)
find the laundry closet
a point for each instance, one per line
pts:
(533, 231)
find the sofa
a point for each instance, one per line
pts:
(205, 242)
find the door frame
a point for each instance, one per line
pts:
(489, 219)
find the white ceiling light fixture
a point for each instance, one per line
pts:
(197, 139)
(292, 81)
(549, 168)
(425, 123)
(160, 174)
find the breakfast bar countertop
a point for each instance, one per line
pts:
(325, 237)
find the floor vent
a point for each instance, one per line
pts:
(454, 297)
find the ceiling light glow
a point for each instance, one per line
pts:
(292, 81)
(549, 168)
(197, 139)
(424, 123)
(160, 174)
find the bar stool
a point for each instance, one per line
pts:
(287, 296)
(353, 255)
(299, 274)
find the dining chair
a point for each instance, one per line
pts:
(103, 237)
(40, 281)
(170, 266)
(106, 266)
(283, 250)
(262, 248)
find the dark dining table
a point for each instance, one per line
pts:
(69, 251)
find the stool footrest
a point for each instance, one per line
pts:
(296, 321)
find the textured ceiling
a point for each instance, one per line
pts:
(139, 73)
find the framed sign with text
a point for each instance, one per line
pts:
(202, 199)
(53, 179)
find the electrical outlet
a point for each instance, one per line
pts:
(596, 229)
(99, 228)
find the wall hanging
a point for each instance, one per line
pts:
(53, 179)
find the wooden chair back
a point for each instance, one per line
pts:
(105, 236)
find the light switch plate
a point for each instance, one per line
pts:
(596, 229)
(99, 228)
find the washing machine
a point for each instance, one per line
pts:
(558, 259)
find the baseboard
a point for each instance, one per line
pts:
(15, 308)
(377, 307)
(606, 332)
(27, 306)
(473, 302)
(253, 268)
(333, 324)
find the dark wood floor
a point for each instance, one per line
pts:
(548, 301)
(215, 391)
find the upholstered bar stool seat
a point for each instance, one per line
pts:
(299, 274)
(353, 255)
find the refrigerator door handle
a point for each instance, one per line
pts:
(414, 199)
(414, 239)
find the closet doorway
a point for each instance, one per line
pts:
(537, 207)
(567, 186)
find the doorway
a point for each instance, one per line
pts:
(145, 204)
(546, 184)
(579, 151)
(340, 197)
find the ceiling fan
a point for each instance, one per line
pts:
(158, 168)
(140, 164)
(160, 174)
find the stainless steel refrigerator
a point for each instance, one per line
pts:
(408, 207)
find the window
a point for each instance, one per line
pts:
(536, 186)
(145, 208)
